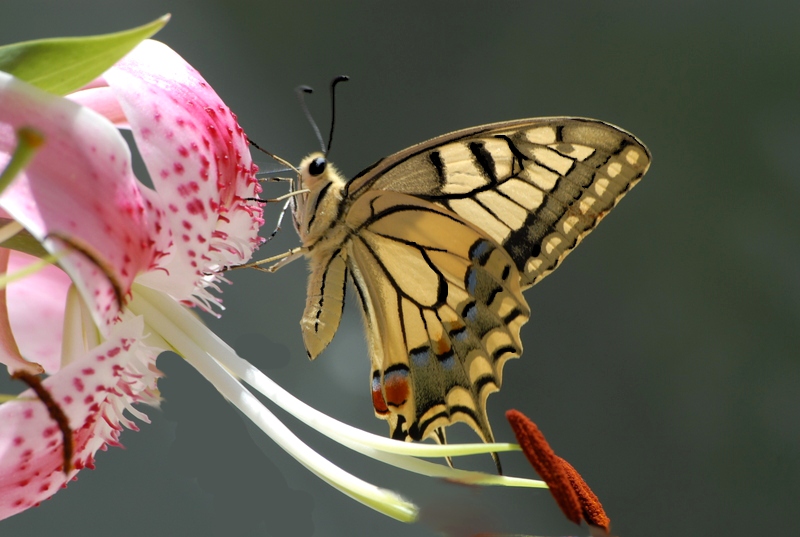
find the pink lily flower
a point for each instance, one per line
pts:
(81, 200)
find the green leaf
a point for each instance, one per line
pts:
(65, 64)
(22, 241)
(28, 141)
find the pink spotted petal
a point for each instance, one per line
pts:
(36, 307)
(93, 392)
(199, 162)
(9, 350)
(79, 189)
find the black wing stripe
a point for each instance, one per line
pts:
(484, 159)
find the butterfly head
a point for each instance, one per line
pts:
(313, 170)
(323, 186)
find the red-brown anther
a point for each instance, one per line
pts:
(570, 491)
(593, 512)
(54, 410)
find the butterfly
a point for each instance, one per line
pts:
(439, 241)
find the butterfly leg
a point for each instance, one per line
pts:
(282, 259)
(286, 196)
(280, 220)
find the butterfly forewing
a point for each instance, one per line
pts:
(535, 186)
(440, 240)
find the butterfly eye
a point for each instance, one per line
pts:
(317, 166)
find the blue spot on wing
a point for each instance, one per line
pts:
(459, 335)
(480, 250)
(420, 356)
(470, 312)
(447, 360)
(471, 281)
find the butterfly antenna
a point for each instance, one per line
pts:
(340, 78)
(275, 157)
(301, 91)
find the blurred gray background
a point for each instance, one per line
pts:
(661, 359)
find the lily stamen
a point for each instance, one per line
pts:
(572, 494)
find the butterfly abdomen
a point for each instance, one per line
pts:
(323, 234)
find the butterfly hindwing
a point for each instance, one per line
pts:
(443, 309)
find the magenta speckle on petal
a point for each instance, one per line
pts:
(87, 371)
(78, 384)
(195, 206)
(178, 167)
(113, 352)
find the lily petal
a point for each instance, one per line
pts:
(199, 162)
(9, 351)
(78, 193)
(36, 307)
(102, 100)
(93, 393)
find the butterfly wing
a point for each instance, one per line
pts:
(443, 308)
(441, 238)
(537, 186)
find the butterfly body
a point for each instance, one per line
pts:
(439, 242)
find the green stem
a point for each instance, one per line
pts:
(382, 500)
